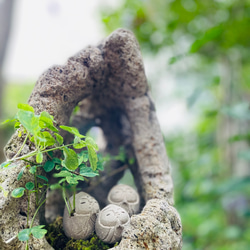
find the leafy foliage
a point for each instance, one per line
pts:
(41, 132)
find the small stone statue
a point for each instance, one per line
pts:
(126, 197)
(82, 224)
(110, 223)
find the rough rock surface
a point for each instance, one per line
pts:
(110, 83)
(157, 227)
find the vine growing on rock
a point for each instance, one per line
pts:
(41, 134)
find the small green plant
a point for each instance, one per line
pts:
(41, 134)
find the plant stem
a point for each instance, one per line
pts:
(65, 198)
(20, 150)
(35, 152)
(34, 216)
(74, 198)
(28, 210)
(27, 245)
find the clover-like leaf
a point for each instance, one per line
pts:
(62, 174)
(87, 171)
(39, 157)
(43, 178)
(24, 235)
(46, 121)
(59, 138)
(33, 169)
(83, 156)
(72, 130)
(29, 185)
(48, 166)
(73, 179)
(91, 142)
(92, 157)
(25, 107)
(38, 231)
(78, 143)
(20, 175)
(29, 121)
(70, 159)
(18, 192)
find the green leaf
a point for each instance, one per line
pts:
(100, 166)
(59, 138)
(90, 142)
(58, 167)
(73, 179)
(78, 143)
(43, 178)
(56, 160)
(33, 169)
(29, 121)
(92, 157)
(46, 121)
(70, 159)
(62, 180)
(48, 166)
(39, 157)
(62, 174)
(72, 130)
(55, 186)
(83, 156)
(18, 192)
(24, 235)
(5, 164)
(38, 231)
(87, 171)
(20, 175)
(45, 138)
(25, 107)
(17, 125)
(29, 185)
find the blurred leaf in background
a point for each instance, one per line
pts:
(204, 47)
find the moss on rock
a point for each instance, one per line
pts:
(60, 241)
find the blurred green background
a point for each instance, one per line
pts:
(201, 49)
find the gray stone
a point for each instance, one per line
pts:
(82, 223)
(126, 197)
(111, 222)
(157, 227)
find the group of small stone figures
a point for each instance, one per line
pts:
(123, 201)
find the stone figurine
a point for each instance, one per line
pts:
(82, 223)
(110, 223)
(126, 197)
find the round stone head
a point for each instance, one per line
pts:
(125, 197)
(82, 223)
(110, 223)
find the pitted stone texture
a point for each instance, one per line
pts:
(111, 222)
(126, 197)
(82, 224)
(157, 227)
